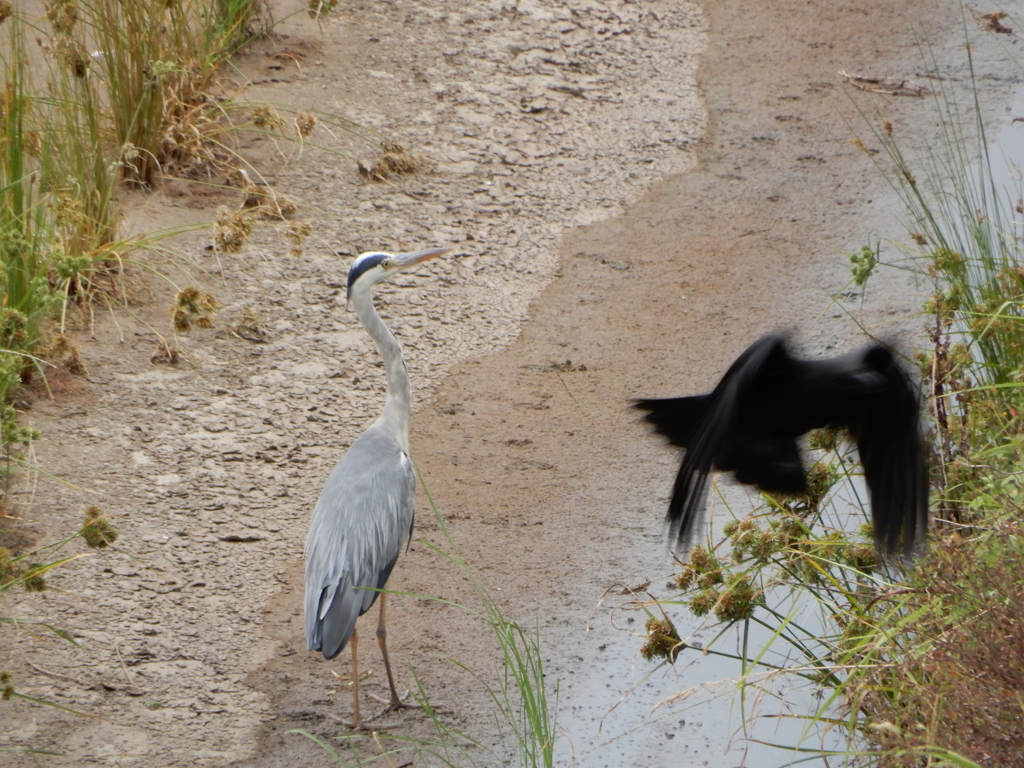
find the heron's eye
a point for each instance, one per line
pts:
(385, 264)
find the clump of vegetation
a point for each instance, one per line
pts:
(958, 619)
(319, 8)
(117, 113)
(193, 307)
(394, 160)
(662, 640)
(28, 571)
(153, 69)
(232, 230)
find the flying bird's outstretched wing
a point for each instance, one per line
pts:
(891, 450)
(750, 423)
(708, 427)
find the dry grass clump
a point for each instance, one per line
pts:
(305, 122)
(62, 351)
(153, 67)
(297, 233)
(963, 688)
(394, 160)
(193, 307)
(318, 8)
(232, 230)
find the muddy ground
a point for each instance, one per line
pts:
(624, 224)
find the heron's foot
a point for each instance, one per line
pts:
(396, 702)
(365, 723)
(388, 708)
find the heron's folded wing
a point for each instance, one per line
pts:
(360, 525)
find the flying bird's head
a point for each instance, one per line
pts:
(372, 267)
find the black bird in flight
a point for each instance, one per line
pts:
(767, 399)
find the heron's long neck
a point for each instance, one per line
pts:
(399, 397)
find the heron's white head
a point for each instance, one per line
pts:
(372, 267)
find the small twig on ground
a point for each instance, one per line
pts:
(890, 86)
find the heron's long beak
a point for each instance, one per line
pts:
(406, 260)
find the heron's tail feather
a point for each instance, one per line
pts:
(336, 619)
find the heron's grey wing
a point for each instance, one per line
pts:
(361, 523)
(892, 452)
(712, 437)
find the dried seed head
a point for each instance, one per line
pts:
(701, 559)
(192, 305)
(231, 231)
(62, 15)
(662, 640)
(887, 127)
(33, 578)
(297, 232)
(708, 579)
(97, 531)
(863, 557)
(702, 603)
(180, 320)
(826, 439)
(304, 124)
(739, 600)
(318, 8)
(6, 686)
(267, 117)
(685, 578)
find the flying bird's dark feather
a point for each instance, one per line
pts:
(767, 399)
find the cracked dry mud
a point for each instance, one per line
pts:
(591, 269)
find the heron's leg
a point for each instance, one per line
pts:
(357, 721)
(382, 640)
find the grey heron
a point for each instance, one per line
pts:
(364, 516)
(750, 423)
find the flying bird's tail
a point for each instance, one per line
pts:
(681, 420)
(677, 418)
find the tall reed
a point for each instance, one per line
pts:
(155, 62)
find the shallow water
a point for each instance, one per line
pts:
(616, 711)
